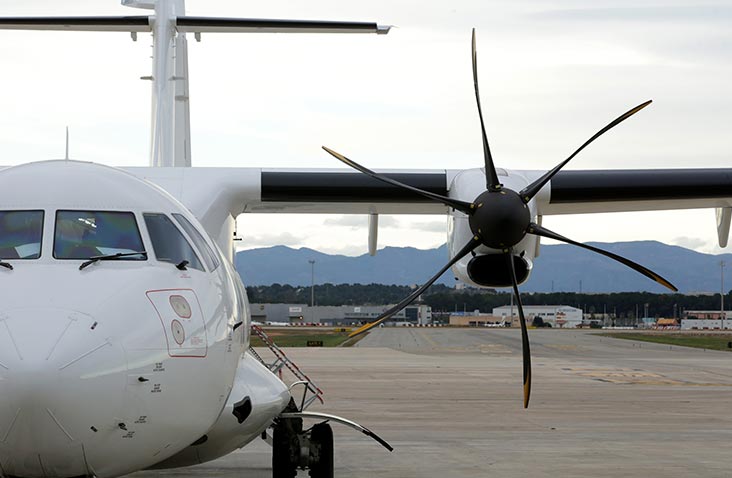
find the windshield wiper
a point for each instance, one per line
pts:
(110, 257)
(5, 265)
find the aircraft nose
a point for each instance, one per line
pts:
(60, 378)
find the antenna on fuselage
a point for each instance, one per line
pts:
(67, 144)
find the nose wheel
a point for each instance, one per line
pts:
(321, 451)
(294, 448)
(286, 448)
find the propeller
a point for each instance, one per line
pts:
(491, 176)
(525, 349)
(499, 218)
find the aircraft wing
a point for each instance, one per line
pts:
(340, 191)
(570, 192)
(215, 195)
(591, 191)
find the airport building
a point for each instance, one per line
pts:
(346, 315)
(476, 319)
(706, 324)
(562, 316)
(706, 320)
(706, 314)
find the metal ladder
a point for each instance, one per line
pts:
(311, 390)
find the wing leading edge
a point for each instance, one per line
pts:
(570, 192)
(215, 194)
(256, 190)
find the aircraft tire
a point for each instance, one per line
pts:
(321, 451)
(283, 464)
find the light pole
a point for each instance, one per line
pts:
(721, 292)
(312, 283)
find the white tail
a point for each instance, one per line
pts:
(170, 143)
(170, 139)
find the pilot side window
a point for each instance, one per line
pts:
(86, 234)
(169, 243)
(209, 257)
(20, 234)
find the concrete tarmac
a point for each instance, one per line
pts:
(450, 402)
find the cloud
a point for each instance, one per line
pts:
(356, 222)
(389, 221)
(655, 14)
(265, 240)
(353, 222)
(430, 226)
(690, 242)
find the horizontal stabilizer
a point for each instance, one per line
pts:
(243, 25)
(90, 24)
(188, 24)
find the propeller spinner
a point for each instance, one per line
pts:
(499, 218)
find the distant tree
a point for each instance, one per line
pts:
(446, 299)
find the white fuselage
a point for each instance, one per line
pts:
(100, 373)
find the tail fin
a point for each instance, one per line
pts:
(170, 142)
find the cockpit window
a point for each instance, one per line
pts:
(209, 256)
(86, 234)
(169, 243)
(20, 234)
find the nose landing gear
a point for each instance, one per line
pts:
(294, 448)
(310, 449)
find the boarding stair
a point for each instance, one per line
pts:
(311, 391)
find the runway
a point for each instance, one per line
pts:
(449, 401)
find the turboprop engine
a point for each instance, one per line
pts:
(494, 218)
(486, 266)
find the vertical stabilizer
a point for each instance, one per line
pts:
(182, 120)
(170, 142)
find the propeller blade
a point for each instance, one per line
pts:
(544, 232)
(525, 349)
(463, 206)
(532, 189)
(472, 244)
(491, 177)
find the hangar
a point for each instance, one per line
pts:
(300, 314)
(562, 316)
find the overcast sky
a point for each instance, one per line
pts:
(551, 73)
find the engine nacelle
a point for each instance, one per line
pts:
(488, 267)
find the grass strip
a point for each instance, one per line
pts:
(700, 341)
(286, 337)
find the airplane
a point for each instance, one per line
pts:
(124, 328)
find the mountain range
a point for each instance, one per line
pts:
(560, 268)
